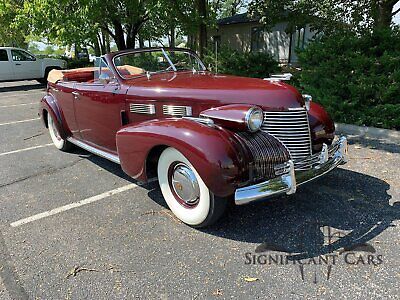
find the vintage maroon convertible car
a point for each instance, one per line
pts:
(207, 137)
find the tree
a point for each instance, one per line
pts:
(12, 32)
(327, 15)
(93, 22)
(227, 8)
(61, 22)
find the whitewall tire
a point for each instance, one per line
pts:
(185, 192)
(58, 141)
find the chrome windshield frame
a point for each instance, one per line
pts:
(164, 51)
(169, 60)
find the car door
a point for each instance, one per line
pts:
(25, 65)
(99, 110)
(6, 71)
(64, 93)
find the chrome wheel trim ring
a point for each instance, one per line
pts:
(185, 186)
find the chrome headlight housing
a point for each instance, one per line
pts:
(254, 119)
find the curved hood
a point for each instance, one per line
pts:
(202, 91)
(210, 90)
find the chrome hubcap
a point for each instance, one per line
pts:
(185, 185)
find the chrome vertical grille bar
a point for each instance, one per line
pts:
(292, 129)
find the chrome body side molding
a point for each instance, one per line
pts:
(291, 179)
(91, 149)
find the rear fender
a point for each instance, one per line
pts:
(49, 104)
(212, 151)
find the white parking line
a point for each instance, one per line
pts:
(76, 204)
(16, 122)
(25, 149)
(15, 105)
(19, 95)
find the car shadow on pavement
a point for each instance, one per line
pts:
(341, 211)
(24, 87)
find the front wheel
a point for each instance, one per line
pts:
(185, 192)
(58, 141)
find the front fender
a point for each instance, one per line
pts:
(49, 104)
(212, 151)
(321, 126)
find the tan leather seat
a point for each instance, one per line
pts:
(87, 74)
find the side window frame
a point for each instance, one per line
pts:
(22, 53)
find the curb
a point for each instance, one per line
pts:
(369, 132)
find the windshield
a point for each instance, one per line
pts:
(151, 62)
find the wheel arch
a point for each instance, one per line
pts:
(210, 150)
(49, 106)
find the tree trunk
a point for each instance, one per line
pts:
(119, 36)
(172, 37)
(76, 52)
(97, 51)
(383, 13)
(141, 41)
(100, 43)
(202, 30)
(131, 40)
(106, 41)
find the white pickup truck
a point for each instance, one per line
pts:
(19, 64)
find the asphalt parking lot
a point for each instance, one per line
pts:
(73, 226)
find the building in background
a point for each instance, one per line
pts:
(243, 33)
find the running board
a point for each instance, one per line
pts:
(94, 150)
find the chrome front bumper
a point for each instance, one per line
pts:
(321, 163)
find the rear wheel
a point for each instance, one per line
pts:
(185, 192)
(58, 141)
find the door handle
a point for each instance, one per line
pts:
(17, 64)
(76, 95)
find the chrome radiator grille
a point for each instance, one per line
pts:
(292, 129)
(266, 152)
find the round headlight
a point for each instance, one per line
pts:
(254, 119)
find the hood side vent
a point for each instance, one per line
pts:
(178, 111)
(148, 109)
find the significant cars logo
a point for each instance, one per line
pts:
(318, 264)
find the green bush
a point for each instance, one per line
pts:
(357, 79)
(248, 64)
